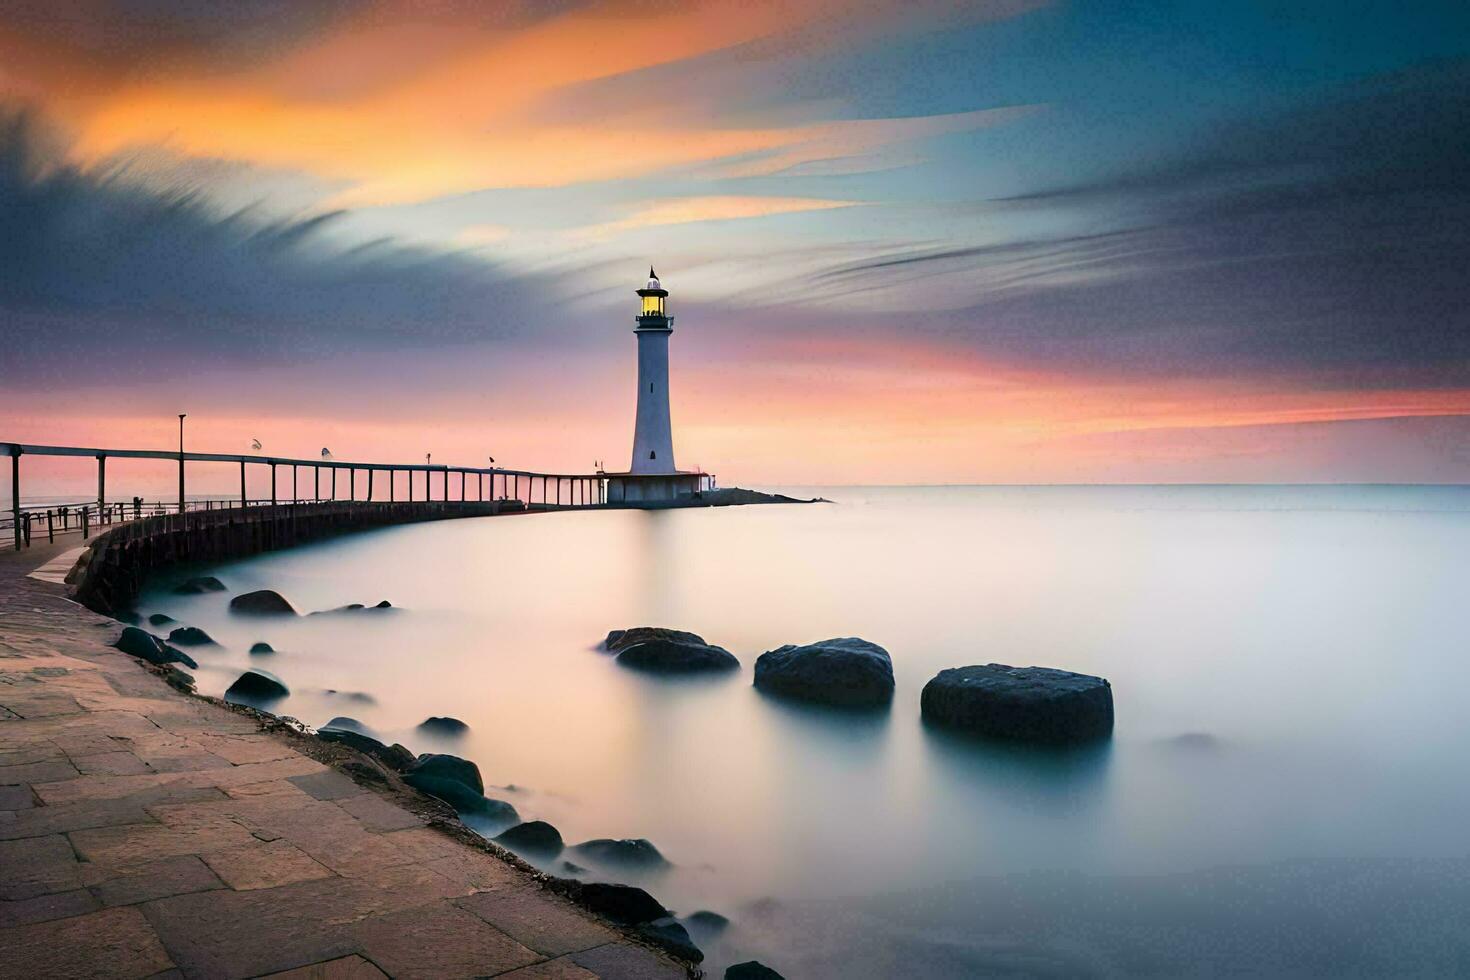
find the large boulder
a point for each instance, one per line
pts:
(262, 602)
(1030, 704)
(161, 619)
(261, 647)
(622, 903)
(751, 970)
(626, 853)
(198, 585)
(347, 724)
(443, 726)
(190, 636)
(140, 643)
(255, 687)
(677, 657)
(620, 639)
(845, 671)
(443, 766)
(536, 837)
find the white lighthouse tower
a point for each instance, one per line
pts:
(653, 435)
(653, 480)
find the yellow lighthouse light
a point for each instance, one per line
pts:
(653, 296)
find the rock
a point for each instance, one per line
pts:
(129, 616)
(622, 903)
(159, 619)
(443, 726)
(672, 936)
(199, 585)
(263, 602)
(256, 686)
(534, 837)
(462, 798)
(620, 639)
(1031, 704)
(354, 607)
(393, 756)
(629, 853)
(180, 679)
(385, 604)
(573, 869)
(346, 724)
(676, 657)
(751, 970)
(190, 636)
(140, 643)
(261, 647)
(706, 921)
(443, 766)
(845, 671)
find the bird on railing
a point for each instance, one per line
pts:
(326, 453)
(254, 443)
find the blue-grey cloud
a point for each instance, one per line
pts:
(1331, 240)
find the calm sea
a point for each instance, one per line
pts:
(1286, 792)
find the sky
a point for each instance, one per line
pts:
(1007, 241)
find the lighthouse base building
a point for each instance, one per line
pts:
(652, 477)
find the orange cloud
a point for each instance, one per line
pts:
(403, 109)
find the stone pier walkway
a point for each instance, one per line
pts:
(147, 833)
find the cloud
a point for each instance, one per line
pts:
(723, 207)
(100, 267)
(1331, 241)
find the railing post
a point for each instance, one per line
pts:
(370, 484)
(273, 484)
(391, 473)
(15, 492)
(334, 482)
(244, 501)
(101, 482)
(352, 484)
(86, 531)
(50, 527)
(316, 487)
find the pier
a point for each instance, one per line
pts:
(327, 481)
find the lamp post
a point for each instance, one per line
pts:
(182, 416)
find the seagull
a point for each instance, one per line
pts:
(254, 443)
(326, 453)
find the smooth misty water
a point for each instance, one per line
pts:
(1285, 791)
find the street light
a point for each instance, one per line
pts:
(182, 416)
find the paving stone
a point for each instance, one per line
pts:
(240, 749)
(66, 817)
(439, 941)
(561, 968)
(37, 772)
(100, 945)
(624, 961)
(43, 750)
(327, 785)
(37, 866)
(345, 968)
(121, 845)
(110, 787)
(18, 797)
(264, 865)
(538, 920)
(478, 870)
(378, 814)
(111, 763)
(43, 908)
(130, 884)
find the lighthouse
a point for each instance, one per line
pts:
(652, 479)
(653, 435)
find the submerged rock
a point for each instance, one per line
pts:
(464, 800)
(620, 639)
(190, 636)
(1030, 704)
(443, 726)
(706, 921)
(262, 602)
(844, 671)
(626, 904)
(160, 619)
(671, 935)
(140, 643)
(630, 853)
(255, 686)
(353, 607)
(533, 837)
(128, 616)
(346, 724)
(677, 657)
(444, 766)
(751, 970)
(573, 869)
(261, 647)
(199, 584)
(393, 756)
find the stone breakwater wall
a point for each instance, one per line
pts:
(109, 574)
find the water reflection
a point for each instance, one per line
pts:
(1286, 666)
